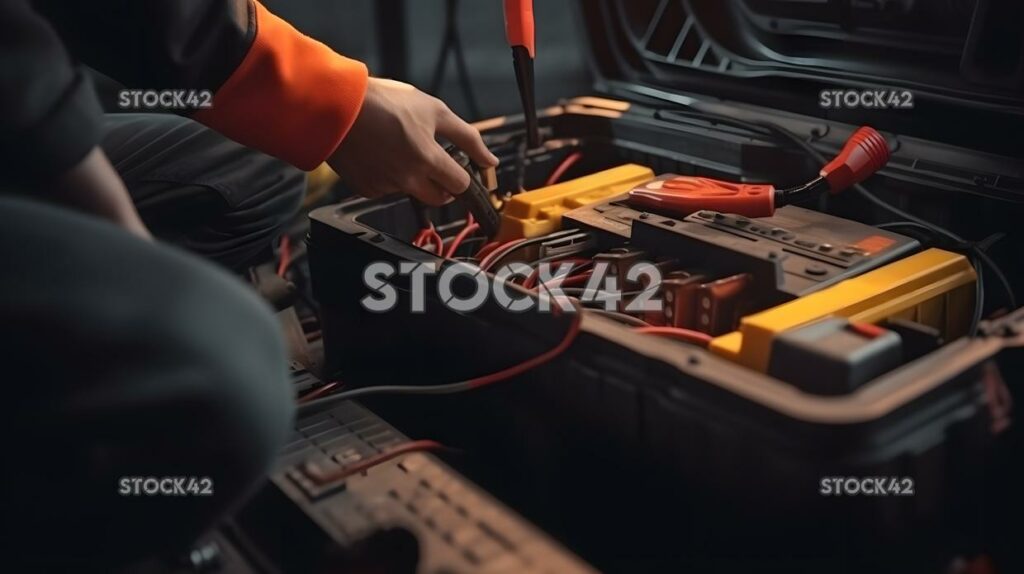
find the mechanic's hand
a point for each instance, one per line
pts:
(391, 146)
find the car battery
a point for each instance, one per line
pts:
(742, 456)
(795, 252)
(673, 393)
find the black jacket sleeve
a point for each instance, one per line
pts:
(49, 114)
(156, 44)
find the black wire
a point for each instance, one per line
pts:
(933, 227)
(620, 317)
(568, 255)
(521, 149)
(892, 224)
(979, 306)
(468, 245)
(527, 243)
(452, 43)
(959, 245)
(462, 70)
(597, 299)
(442, 62)
(978, 254)
(445, 389)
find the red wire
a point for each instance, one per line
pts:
(679, 334)
(454, 246)
(418, 240)
(463, 386)
(320, 477)
(435, 239)
(567, 340)
(429, 236)
(576, 280)
(421, 237)
(499, 252)
(531, 280)
(487, 249)
(563, 167)
(286, 255)
(317, 393)
(471, 226)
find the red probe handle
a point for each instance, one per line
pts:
(683, 195)
(864, 153)
(519, 25)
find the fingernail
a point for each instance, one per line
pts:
(494, 159)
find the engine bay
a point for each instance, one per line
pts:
(790, 352)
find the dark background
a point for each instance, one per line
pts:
(349, 26)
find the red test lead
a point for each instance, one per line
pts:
(864, 153)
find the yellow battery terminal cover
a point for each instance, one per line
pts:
(933, 287)
(539, 212)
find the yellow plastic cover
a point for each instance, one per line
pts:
(934, 287)
(539, 212)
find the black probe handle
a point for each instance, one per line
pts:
(523, 62)
(477, 197)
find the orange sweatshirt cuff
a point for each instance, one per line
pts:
(291, 97)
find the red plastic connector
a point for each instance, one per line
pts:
(864, 153)
(684, 195)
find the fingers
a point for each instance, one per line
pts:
(423, 189)
(434, 178)
(407, 125)
(446, 172)
(465, 137)
(432, 193)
